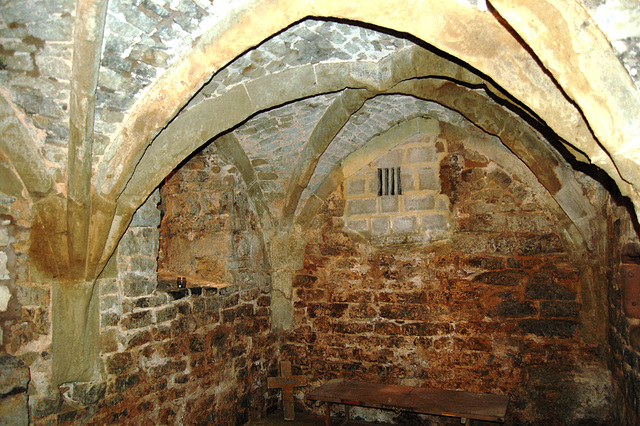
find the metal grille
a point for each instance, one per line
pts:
(389, 182)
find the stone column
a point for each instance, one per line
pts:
(286, 255)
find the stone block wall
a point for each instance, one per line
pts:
(198, 355)
(208, 232)
(419, 214)
(14, 379)
(25, 315)
(496, 307)
(187, 356)
(5, 274)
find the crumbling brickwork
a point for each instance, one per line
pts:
(190, 356)
(196, 355)
(497, 308)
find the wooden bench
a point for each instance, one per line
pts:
(466, 405)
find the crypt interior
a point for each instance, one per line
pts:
(430, 193)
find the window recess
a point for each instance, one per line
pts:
(389, 182)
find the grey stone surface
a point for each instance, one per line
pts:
(148, 214)
(375, 117)
(14, 375)
(362, 206)
(86, 393)
(357, 225)
(434, 222)
(4, 271)
(356, 187)
(389, 204)
(33, 295)
(310, 41)
(428, 179)
(390, 159)
(404, 224)
(5, 296)
(421, 154)
(620, 22)
(136, 242)
(14, 410)
(419, 203)
(380, 226)
(408, 183)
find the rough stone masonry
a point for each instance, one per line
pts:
(257, 129)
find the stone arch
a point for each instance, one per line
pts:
(525, 81)
(578, 234)
(511, 67)
(524, 143)
(163, 154)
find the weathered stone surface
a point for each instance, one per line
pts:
(510, 307)
(562, 329)
(4, 271)
(543, 287)
(503, 278)
(426, 202)
(404, 224)
(145, 40)
(431, 314)
(5, 296)
(362, 207)
(14, 377)
(14, 410)
(134, 285)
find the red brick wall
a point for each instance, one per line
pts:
(624, 360)
(199, 355)
(202, 357)
(497, 309)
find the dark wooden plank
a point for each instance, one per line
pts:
(480, 406)
(359, 393)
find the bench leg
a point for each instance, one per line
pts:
(328, 415)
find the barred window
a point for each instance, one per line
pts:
(389, 182)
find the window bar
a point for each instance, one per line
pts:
(386, 181)
(398, 180)
(393, 181)
(379, 182)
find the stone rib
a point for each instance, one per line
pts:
(324, 132)
(88, 34)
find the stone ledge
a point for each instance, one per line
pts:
(167, 283)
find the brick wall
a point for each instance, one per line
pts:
(624, 360)
(198, 355)
(494, 308)
(208, 230)
(25, 312)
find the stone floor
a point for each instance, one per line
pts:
(302, 419)
(305, 419)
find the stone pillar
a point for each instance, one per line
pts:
(286, 255)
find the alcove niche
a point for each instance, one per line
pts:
(463, 280)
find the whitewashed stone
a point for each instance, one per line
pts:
(5, 295)
(4, 272)
(4, 237)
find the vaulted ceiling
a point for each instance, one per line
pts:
(102, 99)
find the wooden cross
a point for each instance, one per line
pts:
(287, 382)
